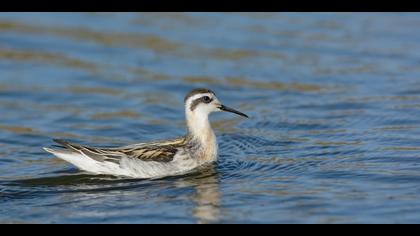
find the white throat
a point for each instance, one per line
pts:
(199, 129)
(199, 126)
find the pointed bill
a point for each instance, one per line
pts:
(228, 109)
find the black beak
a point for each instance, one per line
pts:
(225, 108)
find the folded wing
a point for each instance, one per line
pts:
(158, 151)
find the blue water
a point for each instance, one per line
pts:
(333, 100)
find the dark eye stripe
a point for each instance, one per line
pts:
(197, 91)
(197, 101)
(207, 99)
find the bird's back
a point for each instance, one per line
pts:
(138, 160)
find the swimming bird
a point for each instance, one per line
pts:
(159, 158)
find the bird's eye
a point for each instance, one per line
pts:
(206, 99)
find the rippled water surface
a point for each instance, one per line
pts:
(334, 101)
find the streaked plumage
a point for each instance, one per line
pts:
(155, 159)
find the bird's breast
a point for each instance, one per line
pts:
(209, 148)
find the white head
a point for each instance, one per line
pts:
(199, 103)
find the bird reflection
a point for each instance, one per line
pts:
(206, 196)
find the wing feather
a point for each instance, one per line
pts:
(163, 151)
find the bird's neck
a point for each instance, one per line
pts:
(199, 130)
(199, 127)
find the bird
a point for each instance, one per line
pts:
(155, 159)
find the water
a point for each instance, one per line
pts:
(333, 99)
